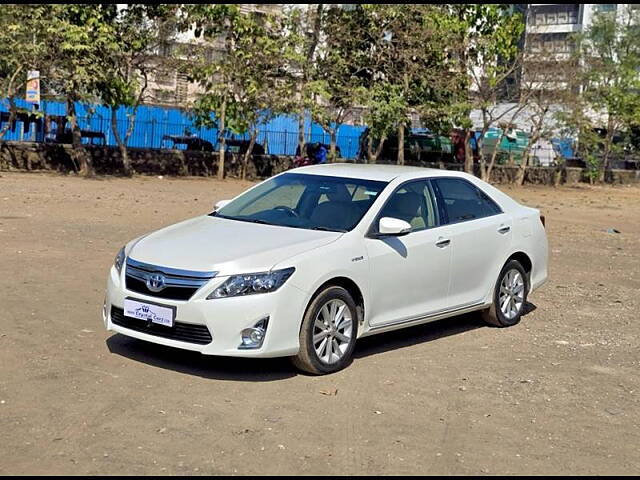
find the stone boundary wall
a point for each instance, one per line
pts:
(25, 156)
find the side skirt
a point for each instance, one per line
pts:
(432, 317)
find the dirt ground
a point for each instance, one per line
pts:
(556, 394)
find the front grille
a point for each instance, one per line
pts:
(178, 284)
(184, 332)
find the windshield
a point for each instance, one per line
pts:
(300, 200)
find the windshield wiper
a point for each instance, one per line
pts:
(255, 220)
(240, 219)
(264, 222)
(325, 229)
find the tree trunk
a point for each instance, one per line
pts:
(494, 154)
(483, 166)
(372, 155)
(12, 116)
(608, 140)
(400, 158)
(522, 170)
(221, 140)
(122, 145)
(79, 154)
(249, 152)
(557, 176)
(13, 108)
(524, 163)
(480, 145)
(468, 152)
(332, 145)
(313, 39)
(301, 141)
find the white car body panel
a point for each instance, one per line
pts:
(403, 280)
(473, 266)
(229, 254)
(423, 267)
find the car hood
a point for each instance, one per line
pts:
(226, 246)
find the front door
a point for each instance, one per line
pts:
(409, 275)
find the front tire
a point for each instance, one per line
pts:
(509, 296)
(328, 333)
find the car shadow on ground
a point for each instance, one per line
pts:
(205, 366)
(272, 369)
(427, 332)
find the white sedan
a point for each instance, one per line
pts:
(306, 262)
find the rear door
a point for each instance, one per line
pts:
(480, 235)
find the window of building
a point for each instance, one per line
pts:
(165, 77)
(605, 7)
(555, 14)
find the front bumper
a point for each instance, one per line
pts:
(224, 317)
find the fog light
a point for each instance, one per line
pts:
(254, 337)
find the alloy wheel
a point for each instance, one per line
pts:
(332, 331)
(511, 296)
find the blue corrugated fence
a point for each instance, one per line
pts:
(153, 122)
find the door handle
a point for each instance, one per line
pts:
(504, 230)
(443, 243)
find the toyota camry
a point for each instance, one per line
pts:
(307, 262)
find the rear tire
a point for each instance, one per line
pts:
(509, 296)
(328, 333)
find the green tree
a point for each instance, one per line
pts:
(608, 59)
(240, 81)
(84, 37)
(545, 86)
(487, 49)
(338, 69)
(408, 53)
(385, 110)
(301, 34)
(23, 46)
(137, 30)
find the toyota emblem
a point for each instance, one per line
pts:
(155, 282)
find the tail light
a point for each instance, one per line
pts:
(542, 220)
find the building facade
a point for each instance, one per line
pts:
(548, 43)
(168, 86)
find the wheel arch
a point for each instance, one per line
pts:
(350, 286)
(523, 259)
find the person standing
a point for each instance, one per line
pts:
(321, 153)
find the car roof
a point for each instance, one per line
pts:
(384, 173)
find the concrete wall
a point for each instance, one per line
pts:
(107, 161)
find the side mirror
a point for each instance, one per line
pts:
(220, 204)
(393, 227)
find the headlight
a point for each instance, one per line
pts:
(119, 260)
(252, 283)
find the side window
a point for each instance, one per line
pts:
(413, 203)
(464, 201)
